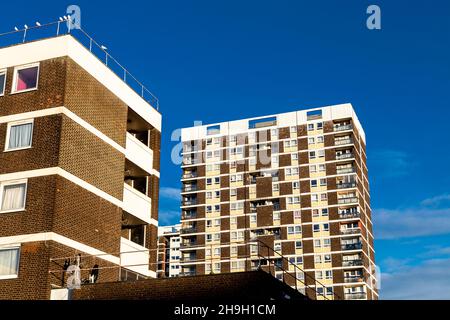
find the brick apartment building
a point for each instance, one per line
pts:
(169, 251)
(79, 170)
(296, 182)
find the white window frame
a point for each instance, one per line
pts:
(9, 183)
(5, 73)
(8, 133)
(16, 71)
(16, 275)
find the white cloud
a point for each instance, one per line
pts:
(169, 217)
(408, 223)
(390, 163)
(428, 280)
(434, 201)
(170, 193)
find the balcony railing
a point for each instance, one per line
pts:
(189, 216)
(188, 274)
(352, 263)
(139, 153)
(188, 230)
(137, 203)
(355, 296)
(189, 202)
(189, 175)
(348, 215)
(344, 156)
(342, 142)
(351, 231)
(345, 170)
(188, 244)
(347, 200)
(343, 127)
(351, 246)
(346, 185)
(188, 259)
(353, 279)
(188, 188)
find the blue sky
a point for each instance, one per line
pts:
(221, 60)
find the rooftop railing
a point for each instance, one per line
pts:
(61, 28)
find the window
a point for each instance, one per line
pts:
(9, 263)
(295, 185)
(325, 212)
(316, 228)
(276, 216)
(208, 141)
(315, 212)
(208, 223)
(293, 129)
(323, 182)
(233, 192)
(12, 196)
(293, 200)
(313, 168)
(25, 78)
(208, 237)
(321, 153)
(297, 214)
(277, 246)
(253, 218)
(208, 195)
(294, 230)
(274, 132)
(217, 222)
(217, 208)
(233, 220)
(326, 227)
(327, 258)
(317, 243)
(314, 198)
(319, 276)
(311, 140)
(233, 165)
(233, 138)
(209, 154)
(320, 139)
(2, 82)
(19, 135)
(328, 274)
(234, 250)
(216, 194)
(208, 181)
(274, 159)
(327, 242)
(275, 187)
(310, 126)
(321, 167)
(208, 209)
(217, 180)
(312, 154)
(294, 157)
(317, 259)
(319, 125)
(298, 244)
(313, 183)
(323, 197)
(217, 251)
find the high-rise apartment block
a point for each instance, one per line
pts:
(169, 251)
(298, 182)
(79, 170)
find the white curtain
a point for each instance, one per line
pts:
(13, 197)
(20, 136)
(8, 262)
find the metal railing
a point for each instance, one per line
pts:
(189, 175)
(346, 185)
(343, 127)
(348, 215)
(352, 263)
(347, 200)
(345, 170)
(61, 28)
(350, 231)
(355, 296)
(353, 279)
(339, 142)
(344, 156)
(351, 246)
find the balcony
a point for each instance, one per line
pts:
(347, 200)
(352, 263)
(139, 153)
(340, 142)
(188, 230)
(345, 156)
(356, 296)
(188, 274)
(189, 188)
(345, 170)
(345, 185)
(351, 246)
(348, 215)
(134, 257)
(342, 127)
(188, 244)
(189, 175)
(190, 258)
(137, 203)
(350, 231)
(190, 202)
(353, 279)
(189, 216)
